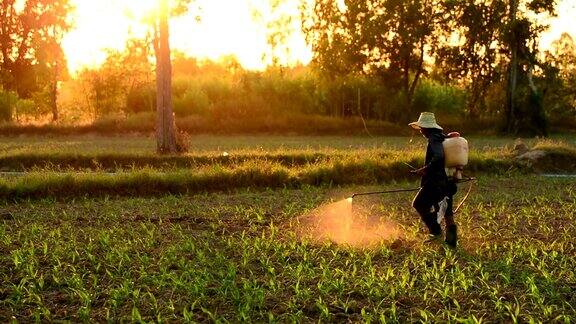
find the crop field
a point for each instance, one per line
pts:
(205, 237)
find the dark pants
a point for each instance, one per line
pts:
(427, 202)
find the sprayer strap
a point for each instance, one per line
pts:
(471, 180)
(467, 179)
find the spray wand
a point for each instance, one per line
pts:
(383, 192)
(386, 191)
(403, 190)
(468, 179)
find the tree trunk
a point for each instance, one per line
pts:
(537, 116)
(165, 127)
(54, 99)
(406, 87)
(414, 83)
(513, 72)
(511, 91)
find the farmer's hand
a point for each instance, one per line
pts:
(420, 171)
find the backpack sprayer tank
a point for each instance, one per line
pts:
(455, 155)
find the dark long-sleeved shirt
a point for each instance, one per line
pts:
(434, 163)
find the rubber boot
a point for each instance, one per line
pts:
(452, 236)
(433, 227)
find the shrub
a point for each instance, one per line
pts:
(8, 100)
(219, 89)
(141, 122)
(433, 96)
(11, 106)
(141, 99)
(27, 107)
(193, 102)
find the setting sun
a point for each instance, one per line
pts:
(211, 29)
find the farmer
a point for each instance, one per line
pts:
(434, 200)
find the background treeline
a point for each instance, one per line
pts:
(376, 65)
(489, 49)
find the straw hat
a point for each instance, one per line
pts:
(426, 120)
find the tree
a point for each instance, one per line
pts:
(471, 52)
(497, 41)
(52, 68)
(387, 38)
(165, 125)
(138, 75)
(166, 133)
(520, 38)
(280, 28)
(561, 72)
(123, 83)
(31, 58)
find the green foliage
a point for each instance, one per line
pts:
(243, 94)
(440, 98)
(141, 99)
(30, 37)
(27, 107)
(193, 101)
(222, 97)
(11, 106)
(122, 85)
(560, 100)
(497, 42)
(471, 59)
(473, 44)
(8, 101)
(388, 39)
(103, 90)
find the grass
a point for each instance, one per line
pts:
(215, 144)
(233, 257)
(101, 229)
(95, 166)
(255, 174)
(225, 122)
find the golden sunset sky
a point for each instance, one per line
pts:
(226, 27)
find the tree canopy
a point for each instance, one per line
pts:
(474, 43)
(30, 42)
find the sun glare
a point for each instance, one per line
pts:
(226, 27)
(140, 9)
